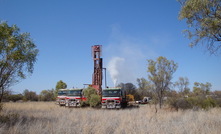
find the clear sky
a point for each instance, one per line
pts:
(131, 31)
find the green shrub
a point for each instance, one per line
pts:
(95, 100)
(202, 102)
(84, 104)
(15, 97)
(183, 104)
(92, 98)
(208, 103)
(194, 102)
(179, 103)
(172, 102)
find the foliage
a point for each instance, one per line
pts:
(202, 102)
(193, 102)
(47, 95)
(92, 98)
(142, 83)
(160, 74)
(84, 104)
(145, 88)
(15, 97)
(204, 21)
(179, 103)
(17, 56)
(95, 100)
(30, 95)
(183, 104)
(182, 85)
(171, 93)
(88, 92)
(209, 103)
(60, 85)
(201, 88)
(8, 96)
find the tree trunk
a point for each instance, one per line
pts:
(160, 97)
(156, 107)
(160, 100)
(1, 95)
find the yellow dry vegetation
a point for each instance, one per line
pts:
(48, 118)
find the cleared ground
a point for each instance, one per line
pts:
(48, 118)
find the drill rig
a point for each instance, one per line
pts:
(98, 66)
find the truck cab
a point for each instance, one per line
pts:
(113, 98)
(62, 94)
(74, 98)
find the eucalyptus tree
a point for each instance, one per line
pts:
(204, 21)
(183, 85)
(18, 54)
(145, 87)
(160, 73)
(60, 85)
(201, 88)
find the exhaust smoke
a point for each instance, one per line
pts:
(114, 67)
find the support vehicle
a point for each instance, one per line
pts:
(113, 98)
(62, 94)
(74, 98)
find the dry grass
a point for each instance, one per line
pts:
(48, 118)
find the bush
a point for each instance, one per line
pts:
(179, 103)
(194, 102)
(46, 95)
(30, 95)
(15, 97)
(209, 103)
(172, 102)
(183, 104)
(95, 100)
(84, 104)
(92, 98)
(202, 102)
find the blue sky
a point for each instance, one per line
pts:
(130, 30)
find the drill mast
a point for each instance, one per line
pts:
(98, 66)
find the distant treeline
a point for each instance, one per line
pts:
(144, 88)
(45, 95)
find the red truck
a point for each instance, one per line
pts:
(113, 98)
(62, 94)
(74, 98)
